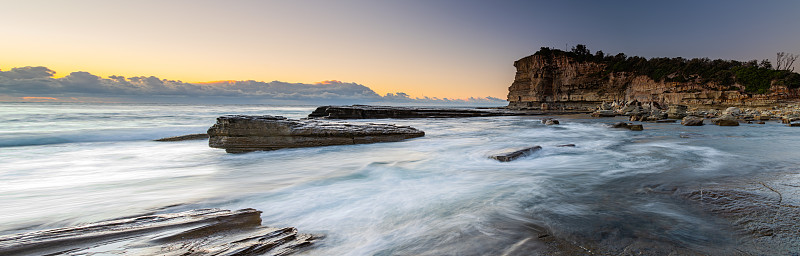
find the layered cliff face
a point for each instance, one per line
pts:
(561, 82)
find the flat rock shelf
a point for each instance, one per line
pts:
(379, 112)
(240, 133)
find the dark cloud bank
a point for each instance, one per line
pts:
(39, 82)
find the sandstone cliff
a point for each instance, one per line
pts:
(560, 81)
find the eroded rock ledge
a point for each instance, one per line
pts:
(195, 232)
(239, 133)
(379, 112)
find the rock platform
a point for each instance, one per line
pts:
(240, 133)
(380, 112)
(195, 232)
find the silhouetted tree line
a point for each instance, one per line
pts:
(755, 76)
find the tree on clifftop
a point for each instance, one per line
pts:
(785, 61)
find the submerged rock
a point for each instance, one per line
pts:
(378, 112)
(238, 133)
(692, 121)
(195, 232)
(510, 156)
(198, 136)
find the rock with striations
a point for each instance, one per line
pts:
(380, 112)
(692, 121)
(195, 232)
(239, 133)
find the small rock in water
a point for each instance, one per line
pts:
(794, 125)
(632, 127)
(566, 145)
(549, 121)
(725, 120)
(506, 157)
(761, 122)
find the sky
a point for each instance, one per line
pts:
(434, 48)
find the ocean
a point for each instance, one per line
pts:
(68, 164)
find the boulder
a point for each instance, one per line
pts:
(510, 156)
(794, 125)
(734, 111)
(195, 232)
(239, 133)
(677, 111)
(692, 121)
(632, 127)
(725, 120)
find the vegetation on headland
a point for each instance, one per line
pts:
(755, 76)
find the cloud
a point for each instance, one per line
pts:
(39, 82)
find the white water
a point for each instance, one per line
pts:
(440, 194)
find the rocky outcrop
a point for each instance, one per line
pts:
(196, 232)
(379, 112)
(239, 133)
(764, 208)
(553, 81)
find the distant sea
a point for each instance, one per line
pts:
(67, 164)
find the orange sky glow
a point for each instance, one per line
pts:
(270, 45)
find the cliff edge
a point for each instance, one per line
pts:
(577, 80)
